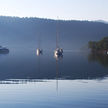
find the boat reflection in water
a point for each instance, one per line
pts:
(100, 58)
(58, 58)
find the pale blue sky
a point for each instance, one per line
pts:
(65, 9)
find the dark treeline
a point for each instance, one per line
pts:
(26, 31)
(99, 45)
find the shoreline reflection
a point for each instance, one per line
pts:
(100, 58)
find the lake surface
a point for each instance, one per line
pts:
(76, 80)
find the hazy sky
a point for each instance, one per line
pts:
(65, 9)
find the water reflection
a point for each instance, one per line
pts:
(100, 58)
(28, 80)
(58, 57)
(25, 64)
(57, 70)
(4, 51)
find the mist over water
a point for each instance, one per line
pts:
(23, 63)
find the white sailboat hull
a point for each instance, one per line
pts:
(58, 52)
(39, 51)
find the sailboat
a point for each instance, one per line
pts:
(39, 51)
(58, 51)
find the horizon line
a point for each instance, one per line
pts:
(98, 20)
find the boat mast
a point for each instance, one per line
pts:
(38, 41)
(57, 35)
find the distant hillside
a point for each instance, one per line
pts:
(102, 21)
(26, 32)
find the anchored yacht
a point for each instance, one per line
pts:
(39, 51)
(58, 51)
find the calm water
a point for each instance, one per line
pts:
(78, 80)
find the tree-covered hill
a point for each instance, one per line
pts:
(99, 45)
(27, 31)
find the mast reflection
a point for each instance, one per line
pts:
(58, 58)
